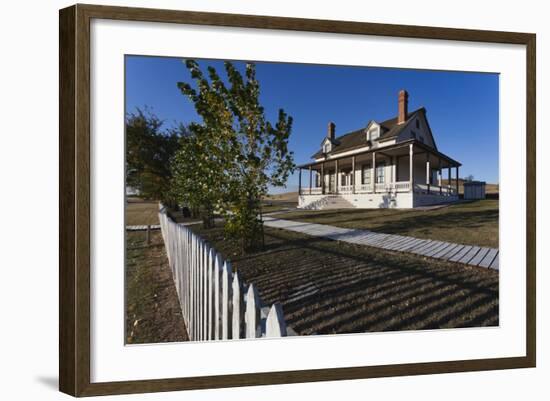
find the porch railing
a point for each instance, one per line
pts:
(434, 189)
(345, 189)
(400, 186)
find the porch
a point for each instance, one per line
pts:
(390, 187)
(408, 168)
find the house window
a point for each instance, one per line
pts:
(374, 133)
(380, 171)
(347, 178)
(365, 174)
(326, 148)
(417, 124)
(343, 179)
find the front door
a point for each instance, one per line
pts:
(332, 183)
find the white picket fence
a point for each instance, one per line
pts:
(213, 300)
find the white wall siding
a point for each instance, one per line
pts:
(361, 201)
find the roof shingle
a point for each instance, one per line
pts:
(355, 139)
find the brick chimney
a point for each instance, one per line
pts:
(403, 106)
(331, 130)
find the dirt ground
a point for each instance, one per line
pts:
(329, 287)
(153, 314)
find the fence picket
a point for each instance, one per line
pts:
(210, 284)
(252, 314)
(226, 301)
(199, 290)
(236, 323)
(217, 297)
(205, 292)
(275, 325)
(210, 295)
(191, 289)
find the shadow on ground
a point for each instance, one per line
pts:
(330, 287)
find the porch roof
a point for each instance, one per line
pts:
(398, 149)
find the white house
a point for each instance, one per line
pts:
(371, 167)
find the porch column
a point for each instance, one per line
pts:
(393, 170)
(428, 171)
(456, 180)
(411, 172)
(353, 174)
(323, 178)
(336, 176)
(439, 176)
(373, 175)
(449, 179)
(299, 181)
(310, 180)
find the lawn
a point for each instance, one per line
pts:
(153, 314)
(269, 206)
(329, 287)
(141, 212)
(471, 223)
(144, 212)
(277, 202)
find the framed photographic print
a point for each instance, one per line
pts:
(250, 200)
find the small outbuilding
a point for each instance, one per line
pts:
(474, 190)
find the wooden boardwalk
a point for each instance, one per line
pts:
(143, 227)
(448, 251)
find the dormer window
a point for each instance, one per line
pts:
(373, 133)
(326, 147)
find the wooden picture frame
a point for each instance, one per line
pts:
(74, 204)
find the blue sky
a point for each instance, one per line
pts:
(462, 108)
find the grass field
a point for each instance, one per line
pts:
(329, 287)
(472, 223)
(490, 189)
(141, 212)
(153, 313)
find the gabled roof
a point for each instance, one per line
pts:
(389, 129)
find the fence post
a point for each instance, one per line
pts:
(177, 268)
(252, 314)
(275, 324)
(226, 297)
(236, 316)
(187, 275)
(148, 235)
(185, 283)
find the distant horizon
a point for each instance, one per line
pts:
(462, 107)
